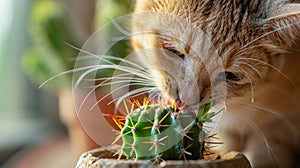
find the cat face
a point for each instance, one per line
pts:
(199, 50)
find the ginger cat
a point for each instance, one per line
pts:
(246, 52)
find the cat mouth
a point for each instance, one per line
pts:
(192, 107)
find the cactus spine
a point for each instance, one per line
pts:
(153, 132)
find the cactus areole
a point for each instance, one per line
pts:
(155, 132)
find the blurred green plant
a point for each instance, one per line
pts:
(109, 9)
(50, 28)
(49, 55)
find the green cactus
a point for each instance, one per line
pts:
(153, 132)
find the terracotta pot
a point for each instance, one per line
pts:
(104, 158)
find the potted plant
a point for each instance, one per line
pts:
(163, 135)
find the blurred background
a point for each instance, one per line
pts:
(39, 127)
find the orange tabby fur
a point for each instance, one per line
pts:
(258, 43)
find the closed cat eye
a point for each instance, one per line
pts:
(174, 52)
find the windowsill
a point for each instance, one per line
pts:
(19, 132)
(20, 136)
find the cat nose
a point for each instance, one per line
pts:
(189, 94)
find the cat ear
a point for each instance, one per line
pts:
(285, 23)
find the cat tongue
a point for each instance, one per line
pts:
(179, 104)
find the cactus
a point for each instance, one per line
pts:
(155, 132)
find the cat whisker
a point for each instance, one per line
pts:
(114, 67)
(133, 93)
(278, 115)
(80, 50)
(121, 78)
(93, 68)
(106, 58)
(136, 82)
(67, 72)
(269, 33)
(269, 148)
(271, 66)
(108, 94)
(254, 69)
(135, 75)
(122, 60)
(154, 94)
(103, 83)
(132, 76)
(131, 82)
(256, 46)
(90, 92)
(125, 77)
(243, 49)
(116, 77)
(252, 86)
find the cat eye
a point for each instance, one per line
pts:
(174, 52)
(231, 76)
